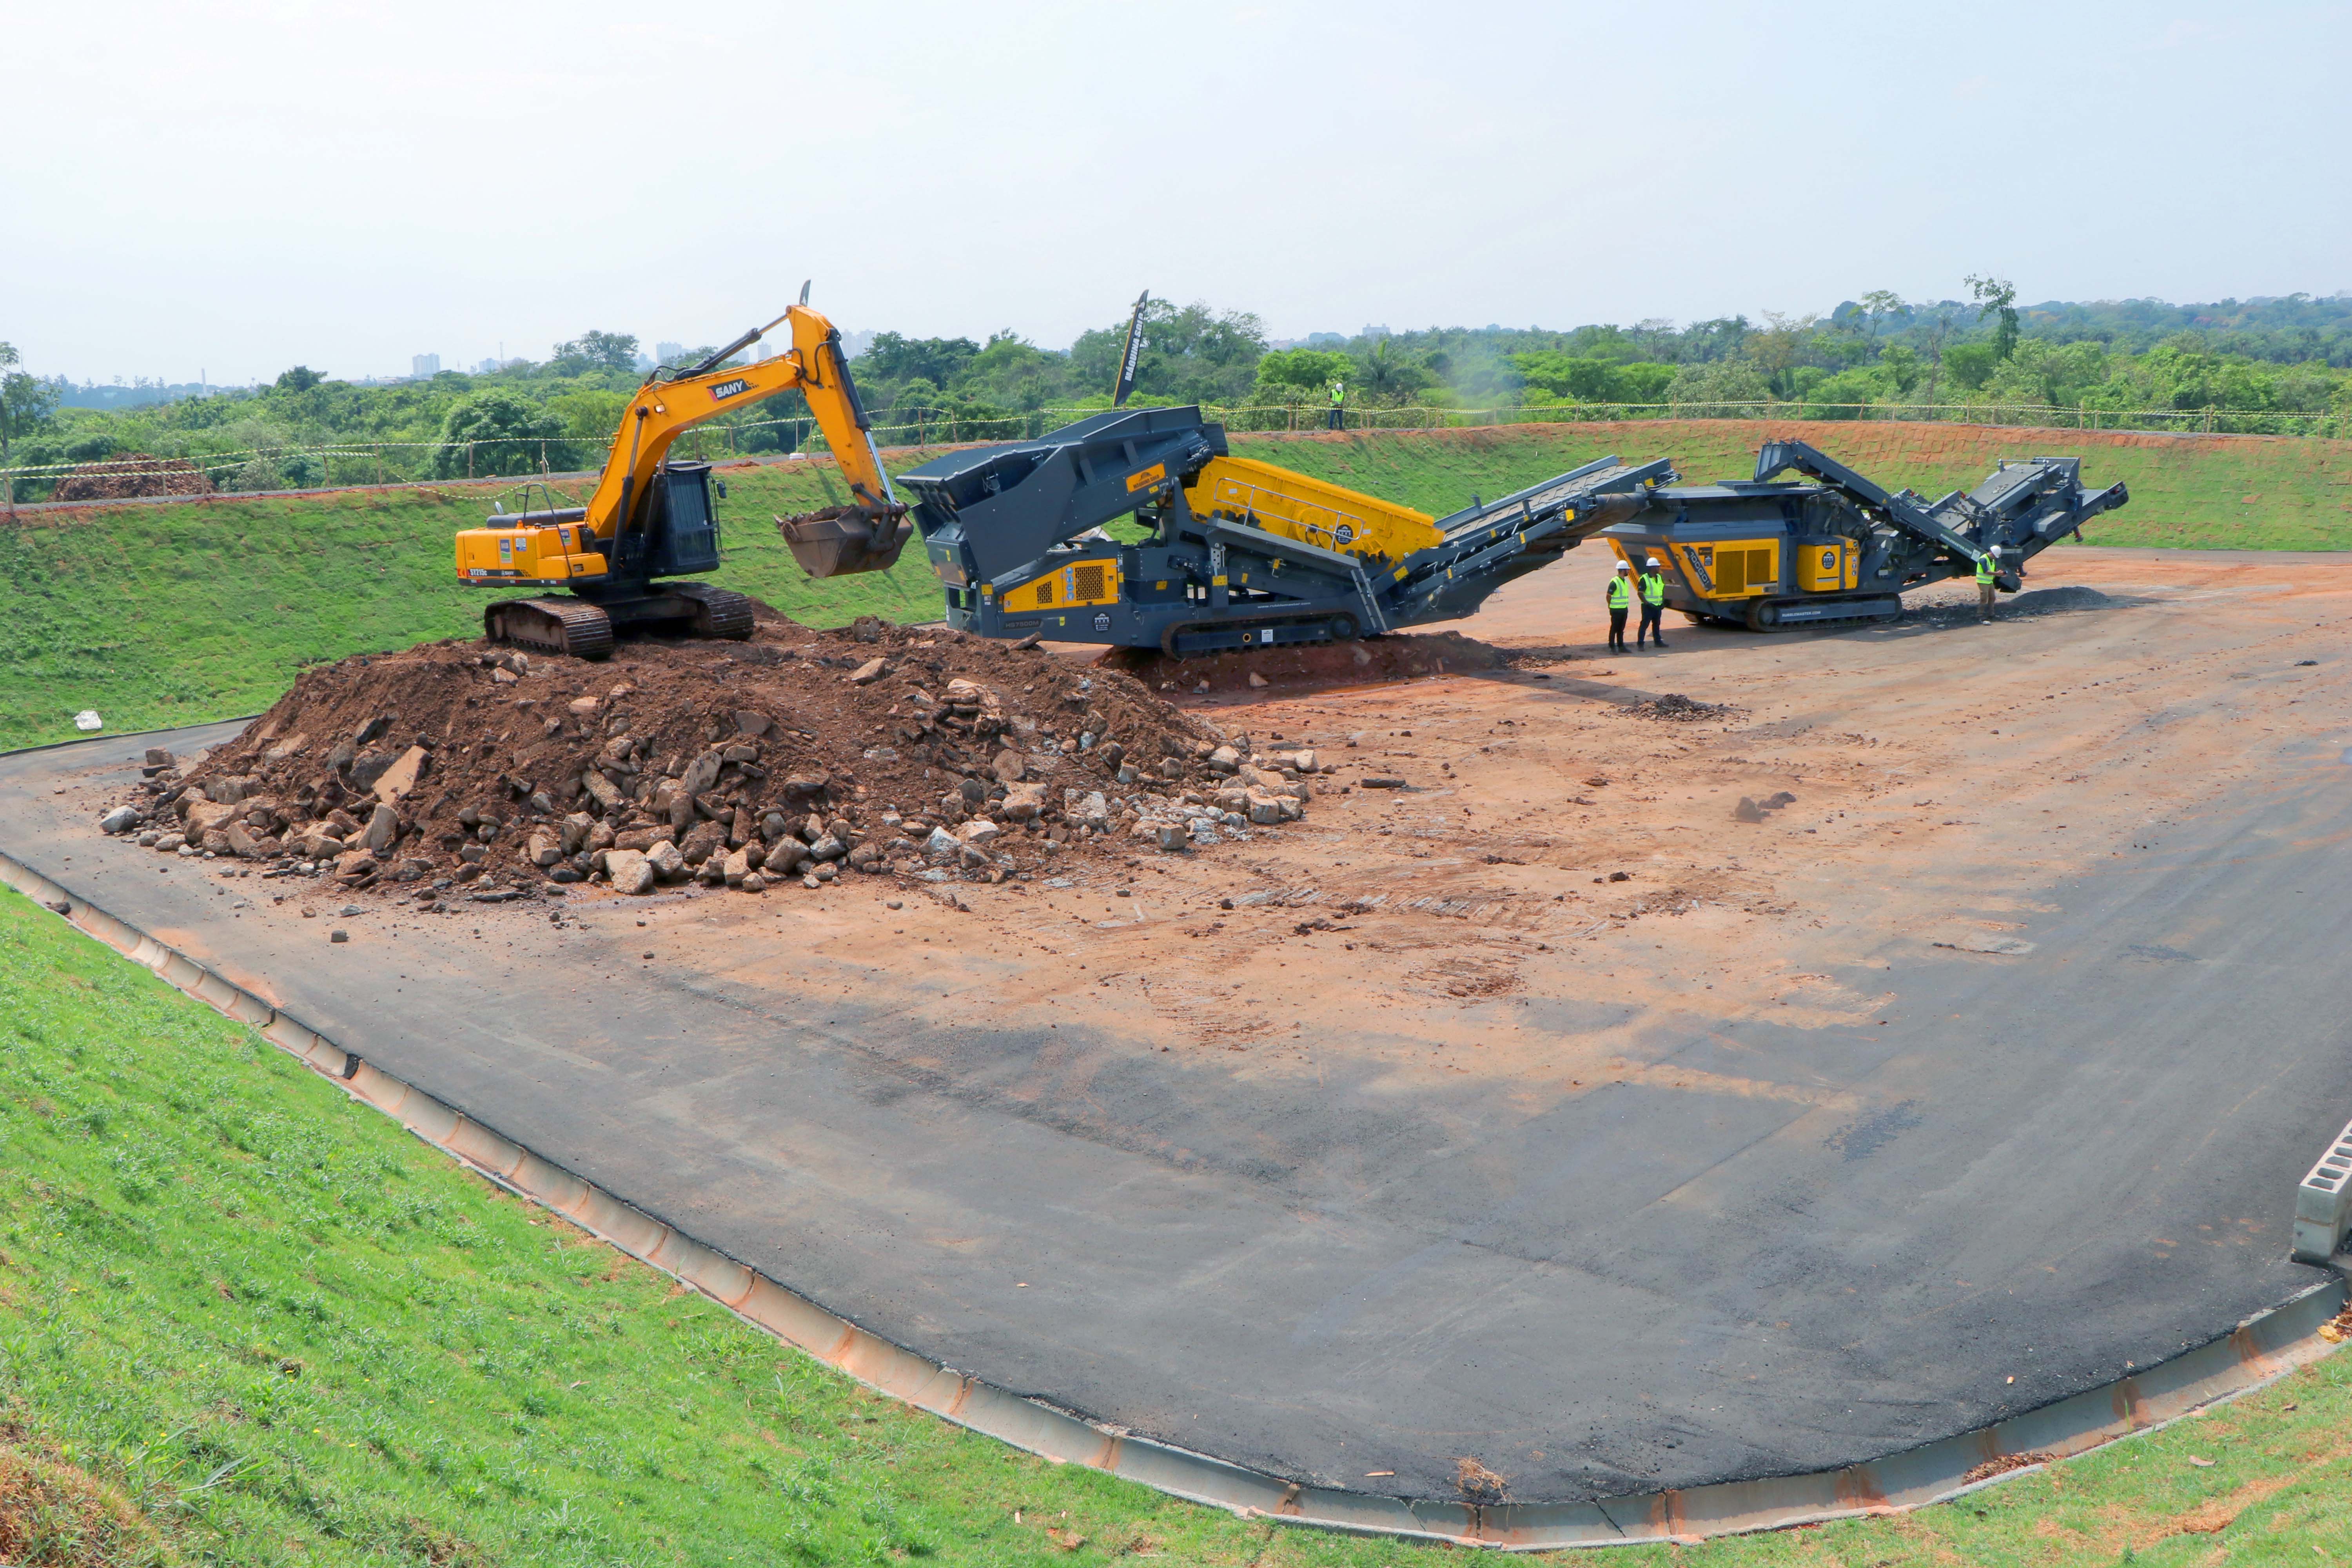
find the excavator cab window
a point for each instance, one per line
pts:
(682, 533)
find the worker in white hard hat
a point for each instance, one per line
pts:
(1653, 587)
(1621, 599)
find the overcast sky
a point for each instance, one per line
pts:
(238, 187)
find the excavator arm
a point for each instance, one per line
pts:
(664, 409)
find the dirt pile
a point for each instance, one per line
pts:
(800, 754)
(1674, 708)
(1366, 662)
(127, 475)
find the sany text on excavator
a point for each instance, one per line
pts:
(650, 517)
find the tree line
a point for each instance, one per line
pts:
(1877, 356)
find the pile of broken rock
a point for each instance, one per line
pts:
(454, 766)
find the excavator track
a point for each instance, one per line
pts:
(569, 626)
(717, 612)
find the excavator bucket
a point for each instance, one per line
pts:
(843, 541)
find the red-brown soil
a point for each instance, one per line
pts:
(886, 729)
(127, 475)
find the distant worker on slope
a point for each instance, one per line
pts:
(1621, 599)
(1986, 571)
(1654, 602)
(1339, 403)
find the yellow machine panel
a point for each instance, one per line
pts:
(554, 555)
(1080, 583)
(1732, 568)
(1828, 567)
(1309, 511)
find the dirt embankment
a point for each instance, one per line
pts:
(129, 475)
(1321, 665)
(799, 754)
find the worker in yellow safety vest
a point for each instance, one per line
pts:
(1339, 403)
(1986, 568)
(1621, 599)
(1652, 586)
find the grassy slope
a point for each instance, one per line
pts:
(172, 615)
(214, 1267)
(2208, 493)
(176, 615)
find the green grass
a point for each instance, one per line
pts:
(163, 615)
(175, 615)
(281, 1330)
(2234, 493)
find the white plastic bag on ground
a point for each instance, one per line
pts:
(87, 718)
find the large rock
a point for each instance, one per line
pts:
(630, 871)
(1022, 803)
(369, 768)
(979, 831)
(243, 842)
(703, 772)
(1263, 809)
(355, 865)
(787, 854)
(1008, 767)
(669, 864)
(317, 842)
(575, 831)
(121, 819)
(399, 778)
(383, 827)
(207, 816)
(735, 867)
(601, 790)
(872, 670)
(802, 786)
(867, 856)
(544, 849)
(702, 841)
(1225, 760)
(942, 844)
(827, 848)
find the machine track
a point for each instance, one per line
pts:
(717, 612)
(569, 626)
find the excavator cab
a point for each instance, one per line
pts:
(681, 532)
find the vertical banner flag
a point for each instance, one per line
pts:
(1127, 362)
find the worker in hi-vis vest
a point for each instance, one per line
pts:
(1985, 571)
(1621, 599)
(1339, 403)
(1653, 587)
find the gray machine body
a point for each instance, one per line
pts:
(1902, 540)
(994, 517)
(998, 517)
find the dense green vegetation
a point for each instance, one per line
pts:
(245, 1320)
(2282, 366)
(168, 614)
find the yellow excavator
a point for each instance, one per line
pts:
(650, 517)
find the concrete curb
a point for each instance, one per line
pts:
(2259, 1351)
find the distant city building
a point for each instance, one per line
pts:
(856, 344)
(422, 366)
(669, 353)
